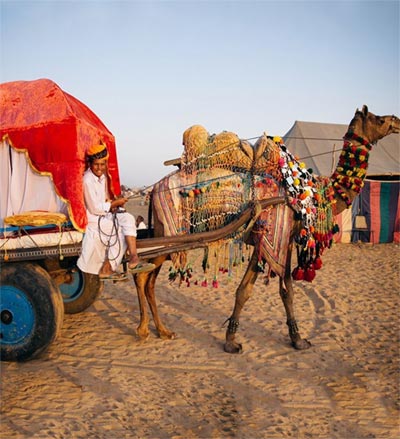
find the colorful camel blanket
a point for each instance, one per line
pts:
(207, 201)
(271, 237)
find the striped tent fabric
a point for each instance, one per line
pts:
(345, 222)
(379, 203)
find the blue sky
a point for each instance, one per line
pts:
(151, 69)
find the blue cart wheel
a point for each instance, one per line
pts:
(31, 311)
(80, 291)
(17, 316)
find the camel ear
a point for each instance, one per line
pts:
(365, 110)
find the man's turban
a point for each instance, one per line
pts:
(98, 151)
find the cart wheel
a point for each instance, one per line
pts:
(81, 291)
(31, 311)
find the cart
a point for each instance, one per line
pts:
(44, 135)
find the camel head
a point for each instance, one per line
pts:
(371, 127)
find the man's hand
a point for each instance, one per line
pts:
(118, 202)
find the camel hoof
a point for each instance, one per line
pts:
(233, 348)
(143, 335)
(301, 344)
(167, 335)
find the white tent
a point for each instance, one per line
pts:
(319, 146)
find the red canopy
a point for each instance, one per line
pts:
(56, 130)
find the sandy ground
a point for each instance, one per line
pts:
(98, 380)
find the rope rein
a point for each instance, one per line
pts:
(109, 242)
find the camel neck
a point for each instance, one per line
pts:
(350, 172)
(351, 135)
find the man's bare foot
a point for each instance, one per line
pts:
(106, 269)
(133, 261)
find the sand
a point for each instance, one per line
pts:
(98, 380)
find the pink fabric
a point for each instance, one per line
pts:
(396, 233)
(375, 189)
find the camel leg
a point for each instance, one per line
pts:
(287, 295)
(145, 286)
(141, 280)
(163, 332)
(242, 295)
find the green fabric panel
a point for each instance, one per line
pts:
(385, 213)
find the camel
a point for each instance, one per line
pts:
(364, 130)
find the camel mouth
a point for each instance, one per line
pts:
(395, 126)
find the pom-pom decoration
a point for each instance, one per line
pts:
(298, 273)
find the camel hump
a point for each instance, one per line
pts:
(231, 152)
(195, 140)
(223, 150)
(225, 141)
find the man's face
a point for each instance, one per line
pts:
(98, 167)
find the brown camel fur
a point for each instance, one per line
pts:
(364, 130)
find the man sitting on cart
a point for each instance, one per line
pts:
(110, 230)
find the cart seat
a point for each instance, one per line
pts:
(36, 218)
